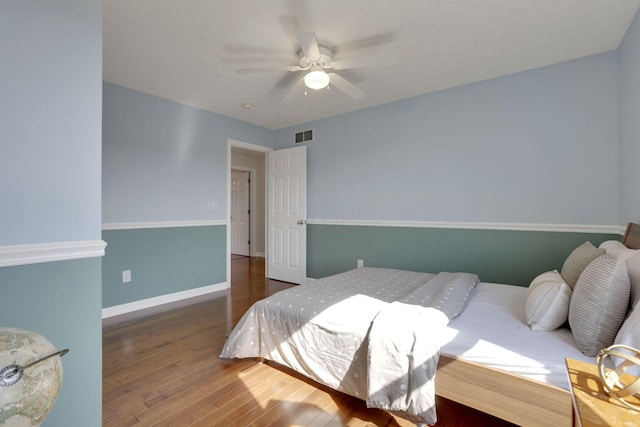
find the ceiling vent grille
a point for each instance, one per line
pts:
(304, 136)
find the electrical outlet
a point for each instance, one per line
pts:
(126, 276)
(360, 263)
(212, 206)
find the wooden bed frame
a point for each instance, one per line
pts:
(511, 397)
(516, 399)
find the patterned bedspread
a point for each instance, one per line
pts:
(369, 332)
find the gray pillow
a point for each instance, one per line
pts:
(577, 261)
(599, 304)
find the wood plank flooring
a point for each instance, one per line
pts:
(161, 368)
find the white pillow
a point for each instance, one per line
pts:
(629, 334)
(548, 298)
(617, 250)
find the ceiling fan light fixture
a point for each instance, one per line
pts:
(316, 79)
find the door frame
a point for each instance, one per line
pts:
(252, 203)
(232, 143)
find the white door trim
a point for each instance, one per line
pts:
(247, 146)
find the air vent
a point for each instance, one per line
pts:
(304, 136)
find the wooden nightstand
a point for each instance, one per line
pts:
(593, 406)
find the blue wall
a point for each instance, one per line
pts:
(50, 172)
(50, 119)
(163, 162)
(533, 147)
(630, 123)
(497, 256)
(541, 147)
(162, 261)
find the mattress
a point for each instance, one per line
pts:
(492, 331)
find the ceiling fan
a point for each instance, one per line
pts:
(318, 64)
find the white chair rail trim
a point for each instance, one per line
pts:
(161, 224)
(50, 252)
(562, 228)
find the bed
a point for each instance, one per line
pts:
(486, 355)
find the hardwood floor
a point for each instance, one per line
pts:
(161, 368)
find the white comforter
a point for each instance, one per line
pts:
(346, 332)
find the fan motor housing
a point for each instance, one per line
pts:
(325, 60)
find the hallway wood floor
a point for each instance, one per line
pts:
(161, 368)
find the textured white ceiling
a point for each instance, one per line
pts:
(189, 50)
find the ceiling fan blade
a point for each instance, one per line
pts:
(296, 88)
(269, 69)
(309, 44)
(346, 86)
(364, 61)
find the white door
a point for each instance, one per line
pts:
(240, 212)
(287, 207)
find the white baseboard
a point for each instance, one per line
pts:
(130, 307)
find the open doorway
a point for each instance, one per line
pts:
(246, 159)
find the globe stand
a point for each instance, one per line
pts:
(11, 374)
(617, 383)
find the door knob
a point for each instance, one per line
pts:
(301, 222)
